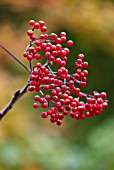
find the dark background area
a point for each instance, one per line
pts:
(26, 140)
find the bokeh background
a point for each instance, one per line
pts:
(26, 140)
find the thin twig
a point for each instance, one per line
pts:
(18, 94)
(20, 62)
(72, 66)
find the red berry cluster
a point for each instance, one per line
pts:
(57, 88)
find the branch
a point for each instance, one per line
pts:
(20, 62)
(18, 94)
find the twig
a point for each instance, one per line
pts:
(18, 94)
(16, 58)
(72, 66)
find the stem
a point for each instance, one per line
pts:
(18, 94)
(20, 62)
(72, 66)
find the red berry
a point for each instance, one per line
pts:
(31, 49)
(32, 22)
(25, 54)
(70, 43)
(53, 36)
(37, 98)
(29, 57)
(33, 37)
(38, 42)
(55, 98)
(58, 40)
(103, 95)
(82, 83)
(37, 56)
(35, 105)
(30, 32)
(47, 97)
(44, 115)
(63, 34)
(79, 61)
(80, 56)
(59, 122)
(61, 116)
(38, 65)
(41, 23)
(85, 64)
(58, 46)
(85, 72)
(99, 100)
(105, 104)
(44, 105)
(30, 88)
(63, 39)
(72, 114)
(43, 29)
(36, 25)
(46, 87)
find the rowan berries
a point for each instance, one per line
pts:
(53, 81)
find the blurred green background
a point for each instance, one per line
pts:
(26, 140)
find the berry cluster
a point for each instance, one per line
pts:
(56, 89)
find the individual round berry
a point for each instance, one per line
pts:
(105, 104)
(32, 22)
(37, 98)
(43, 29)
(82, 83)
(30, 32)
(61, 116)
(63, 39)
(80, 56)
(79, 61)
(37, 56)
(41, 23)
(85, 72)
(36, 25)
(59, 122)
(58, 40)
(35, 105)
(58, 46)
(38, 65)
(46, 87)
(103, 95)
(45, 35)
(99, 100)
(96, 95)
(53, 36)
(63, 34)
(58, 104)
(25, 54)
(44, 105)
(29, 57)
(65, 112)
(44, 115)
(31, 49)
(72, 114)
(38, 42)
(33, 37)
(30, 88)
(85, 64)
(55, 98)
(70, 43)
(47, 97)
